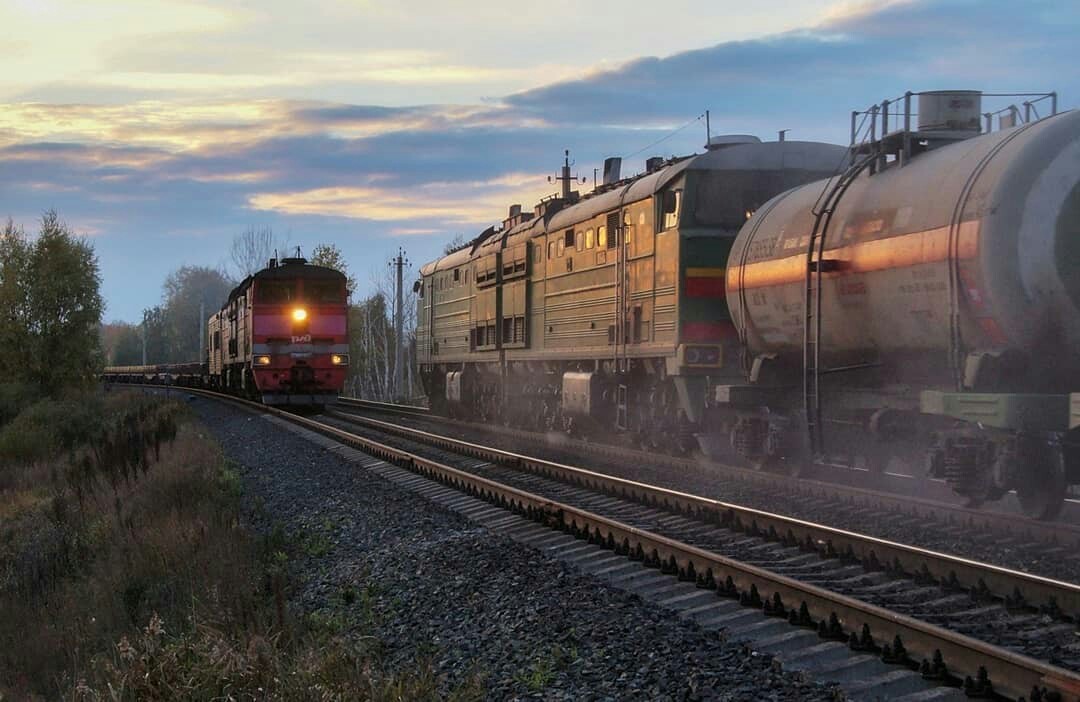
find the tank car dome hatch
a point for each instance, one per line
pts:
(952, 110)
(721, 141)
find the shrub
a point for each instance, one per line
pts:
(48, 427)
(14, 397)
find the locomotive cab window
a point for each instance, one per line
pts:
(272, 292)
(323, 291)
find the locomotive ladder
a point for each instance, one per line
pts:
(816, 265)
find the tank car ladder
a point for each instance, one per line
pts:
(816, 265)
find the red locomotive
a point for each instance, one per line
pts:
(282, 337)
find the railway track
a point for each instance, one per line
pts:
(834, 588)
(1061, 535)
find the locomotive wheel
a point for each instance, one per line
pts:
(1042, 493)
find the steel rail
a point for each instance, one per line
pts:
(1009, 671)
(1059, 532)
(1002, 583)
(384, 406)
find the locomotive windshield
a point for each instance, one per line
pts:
(275, 292)
(323, 291)
(726, 199)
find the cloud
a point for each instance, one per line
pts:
(858, 54)
(453, 203)
(163, 181)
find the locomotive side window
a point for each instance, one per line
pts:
(601, 237)
(273, 292)
(551, 249)
(560, 246)
(589, 238)
(671, 203)
(457, 276)
(323, 291)
(569, 239)
(579, 241)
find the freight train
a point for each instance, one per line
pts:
(281, 338)
(912, 295)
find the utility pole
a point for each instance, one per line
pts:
(144, 337)
(399, 262)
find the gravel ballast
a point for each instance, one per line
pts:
(422, 584)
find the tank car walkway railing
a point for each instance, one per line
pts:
(901, 142)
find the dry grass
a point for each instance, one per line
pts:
(126, 573)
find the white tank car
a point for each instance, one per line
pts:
(947, 305)
(986, 229)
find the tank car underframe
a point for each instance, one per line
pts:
(643, 402)
(984, 445)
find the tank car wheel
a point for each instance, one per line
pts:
(1042, 493)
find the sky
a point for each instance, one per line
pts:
(160, 129)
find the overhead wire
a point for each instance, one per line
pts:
(668, 136)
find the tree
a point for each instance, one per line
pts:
(122, 344)
(454, 244)
(252, 248)
(56, 282)
(14, 311)
(156, 329)
(183, 292)
(372, 338)
(330, 255)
